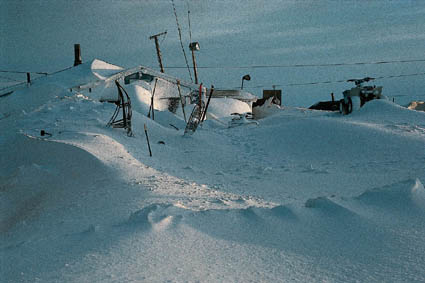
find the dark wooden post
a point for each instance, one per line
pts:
(158, 51)
(28, 78)
(147, 140)
(208, 103)
(333, 98)
(151, 108)
(181, 100)
(200, 96)
(194, 46)
(77, 53)
(195, 68)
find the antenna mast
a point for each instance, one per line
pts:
(181, 43)
(188, 19)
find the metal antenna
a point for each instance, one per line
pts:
(181, 43)
(188, 19)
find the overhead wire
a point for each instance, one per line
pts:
(305, 65)
(10, 79)
(258, 66)
(328, 82)
(254, 66)
(18, 83)
(22, 72)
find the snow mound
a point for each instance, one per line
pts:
(283, 212)
(103, 70)
(380, 105)
(90, 72)
(224, 107)
(156, 216)
(403, 196)
(382, 109)
(327, 207)
(29, 99)
(267, 109)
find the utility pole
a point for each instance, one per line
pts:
(158, 52)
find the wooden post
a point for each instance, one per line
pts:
(158, 51)
(77, 54)
(333, 98)
(208, 103)
(29, 78)
(195, 68)
(151, 108)
(147, 140)
(200, 96)
(181, 100)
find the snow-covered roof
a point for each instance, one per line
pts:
(235, 94)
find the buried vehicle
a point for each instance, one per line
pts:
(357, 96)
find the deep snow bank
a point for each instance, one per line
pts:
(303, 196)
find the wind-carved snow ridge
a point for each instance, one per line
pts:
(342, 214)
(188, 195)
(327, 206)
(404, 196)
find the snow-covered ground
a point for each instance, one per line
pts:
(301, 196)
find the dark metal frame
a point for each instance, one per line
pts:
(123, 103)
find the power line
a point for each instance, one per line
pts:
(10, 79)
(257, 66)
(306, 65)
(273, 66)
(329, 82)
(24, 82)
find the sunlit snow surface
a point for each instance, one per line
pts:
(303, 196)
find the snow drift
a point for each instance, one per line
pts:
(303, 196)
